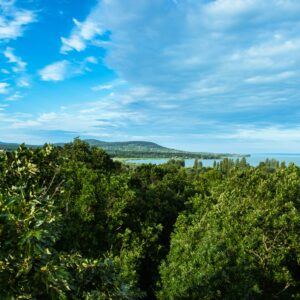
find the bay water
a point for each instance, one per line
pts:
(253, 160)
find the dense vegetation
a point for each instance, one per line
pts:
(74, 224)
(134, 149)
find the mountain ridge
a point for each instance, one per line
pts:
(127, 145)
(134, 149)
(131, 145)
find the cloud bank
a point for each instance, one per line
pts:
(194, 70)
(189, 42)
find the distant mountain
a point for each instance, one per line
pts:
(131, 146)
(110, 146)
(8, 146)
(135, 149)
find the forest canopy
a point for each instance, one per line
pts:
(74, 224)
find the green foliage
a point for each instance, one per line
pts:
(32, 221)
(29, 228)
(240, 242)
(74, 224)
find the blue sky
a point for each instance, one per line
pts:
(200, 75)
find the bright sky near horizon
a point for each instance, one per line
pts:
(202, 75)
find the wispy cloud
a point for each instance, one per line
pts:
(272, 78)
(13, 20)
(19, 64)
(4, 87)
(84, 119)
(3, 107)
(82, 34)
(102, 87)
(56, 71)
(61, 70)
(109, 86)
(16, 75)
(218, 44)
(15, 96)
(268, 133)
(4, 71)
(23, 81)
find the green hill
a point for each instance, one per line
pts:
(135, 149)
(131, 146)
(8, 146)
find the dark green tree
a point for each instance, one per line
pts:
(240, 242)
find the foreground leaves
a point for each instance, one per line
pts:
(241, 242)
(74, 224)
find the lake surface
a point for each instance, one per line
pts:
(253, 160)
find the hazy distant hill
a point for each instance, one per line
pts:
(131, 146)
(134, 149)
(110, 146)
(8, 146)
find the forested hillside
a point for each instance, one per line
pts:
(74, 224)
(134, 149)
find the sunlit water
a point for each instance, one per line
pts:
(253, 160)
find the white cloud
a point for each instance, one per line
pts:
(25, 124)
(17, 73)
(64, 69)
(83, 33)
(45, 117)
(5, 71)
(23, 82)
(102, 87)
(20, 65)
(109, 86)
(13, 20)
(173, 45)
(3, 106)
(57, 71)
(91, 59)
(15, 96)
(97, 116)
(271, 78)
(4, 87)
(209, 59)
(268, 133)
